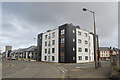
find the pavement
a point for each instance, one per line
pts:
(27, 69)
(86, 70)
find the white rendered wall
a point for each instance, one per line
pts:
(51, 46)
(91, 47)
(83, 46)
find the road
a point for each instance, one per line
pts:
(27, 69)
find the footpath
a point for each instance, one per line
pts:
(101, 73)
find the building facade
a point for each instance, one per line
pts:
(66, 44)
(8, 50)
(29, 53)
(104, 53)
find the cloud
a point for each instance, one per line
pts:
(22, 21)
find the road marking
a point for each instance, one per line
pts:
(62, 69)
(77, 67)
(83, 67)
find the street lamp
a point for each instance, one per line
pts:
(95, 56)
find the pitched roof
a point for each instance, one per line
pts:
(104, 48)
(32, 48)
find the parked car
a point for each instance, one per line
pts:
(13, 58)
(9, 58)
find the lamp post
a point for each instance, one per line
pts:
(94, 36)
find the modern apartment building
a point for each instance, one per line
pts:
(66, 44)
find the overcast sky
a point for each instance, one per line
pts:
(22, 21)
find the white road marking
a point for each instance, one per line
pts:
(83, 67)
(62, 69)
(77, 67)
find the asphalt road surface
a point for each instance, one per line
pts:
(27, 69)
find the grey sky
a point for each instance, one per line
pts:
(22, 21)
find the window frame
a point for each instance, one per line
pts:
(86, 57)
(79, 49)
(79, 57)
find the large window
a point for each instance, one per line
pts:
(79, 49)
(49, 51)
(86, 49)
(73, 31)
(80, 57)
(62, 31)
(53, 50)
(79, 33)
(45, 43)
(49, 43)
(49, 36)
(73, 40)
(53, 58)
(79, 41)
(73, 48)
(53, 42)
(86, 57)
(53, 35)
(62, 40)
(45, 50)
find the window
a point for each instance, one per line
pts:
(106, 54)
(62, 31)
(45, 43)
(73, 31)
(86, 49)
(79, 49)
(53, 35)
(73, 49)
(45, 36)
(53, 58)
(53, 42)
(80, 57)
(85, 34)
(49, 51)
(73, 58)
(79, 33)
(73, 40)
(45, 50)
(45, 57)
(49, 36)
(39, 37)
(86, 42)
(53, 50)
(49, 43)
(62, 40)
(79, 41)
(86, 57)
(102, 54)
